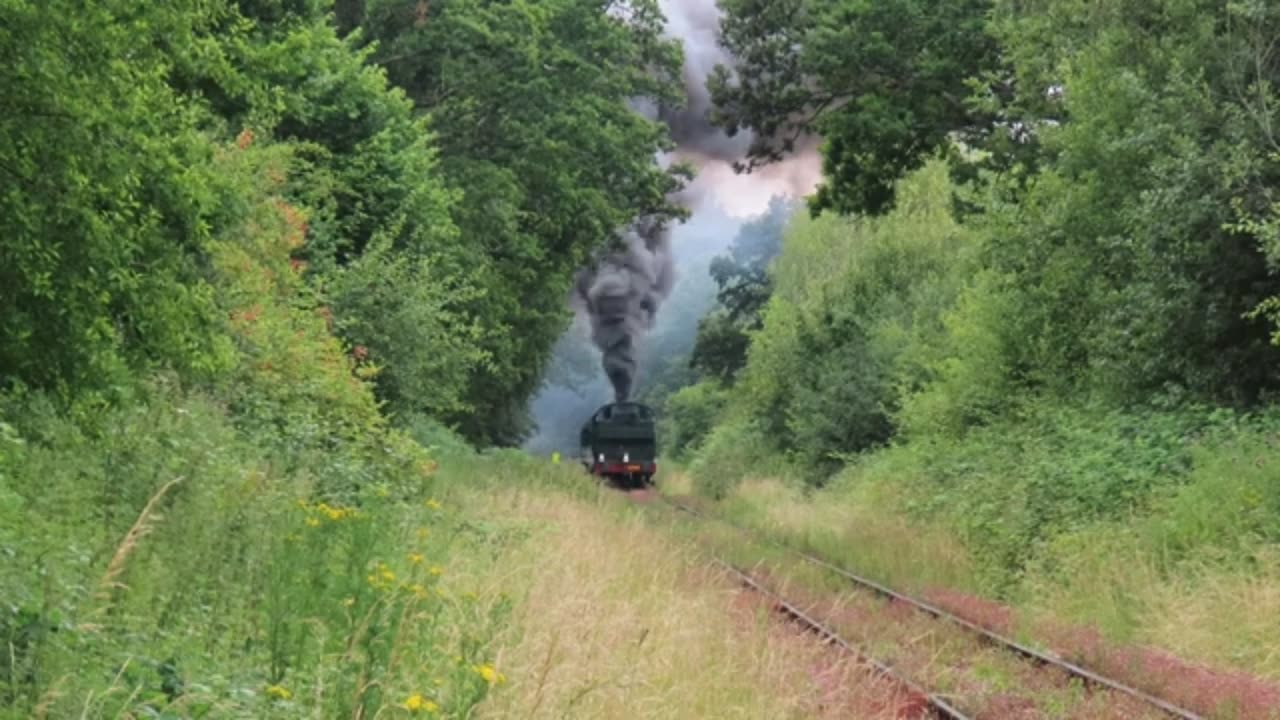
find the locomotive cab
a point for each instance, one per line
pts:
(619, 443)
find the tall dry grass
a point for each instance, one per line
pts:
(1231, 618)
(1221, 616)
(110, 583)
(675, 479)
(616, 619)
(864, 534)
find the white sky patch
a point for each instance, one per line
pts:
(743, 195)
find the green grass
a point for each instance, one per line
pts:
(617, 614)
(164, 563)
(1154, 527)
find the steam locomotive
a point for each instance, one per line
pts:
(619, 444)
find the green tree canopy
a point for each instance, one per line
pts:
(530, 102)
(107, 197)
(884, 84)
(743, 287)
(1122, 254)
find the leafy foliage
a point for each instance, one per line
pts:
(742, 279)
(1144, 290)
(688, 415)
(529, 104)
(395, 308)
(884, 84)
(108, 199)
(840, 336)
(1057, 341)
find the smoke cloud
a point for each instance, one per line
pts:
(696, 24)
(621, 296)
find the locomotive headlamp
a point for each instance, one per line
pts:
(601, 458)
(626, 457)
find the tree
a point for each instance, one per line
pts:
(530, 105)
(1123, 256)
(885, 84)
(744, 286)
(108, 197)
(381, 246)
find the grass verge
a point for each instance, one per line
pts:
(1193, 633)
(612, 617)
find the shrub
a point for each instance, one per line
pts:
(736, 449)
(689, 415)
(163, 561)
(856, 307)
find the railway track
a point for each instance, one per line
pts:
(934, 706)
(937, 706)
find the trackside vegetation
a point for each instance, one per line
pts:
(652, 632)
(1029, 318)
(276, 276)
(259, 273)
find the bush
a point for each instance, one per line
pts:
(736, 449)
(400, 311)
(856, 306)
(433, 435)
(162, 562)
(689, 415)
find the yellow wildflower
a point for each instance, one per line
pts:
(334, 513)
(417, 703)
(489, 673)
(434, 504)
(416, 558)
(419, 591)
(381, 577)
(436, 570)
(313, 522)
(349, 602)
(422, 533)
(279, 692)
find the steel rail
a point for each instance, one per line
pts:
(937, 706)
(1084, 674)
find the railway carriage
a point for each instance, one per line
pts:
(619, 444)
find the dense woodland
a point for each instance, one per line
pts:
(1034, 301)
(262, 261)
(256, 256)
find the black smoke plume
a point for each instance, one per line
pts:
(696, 24)
(621, 295)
